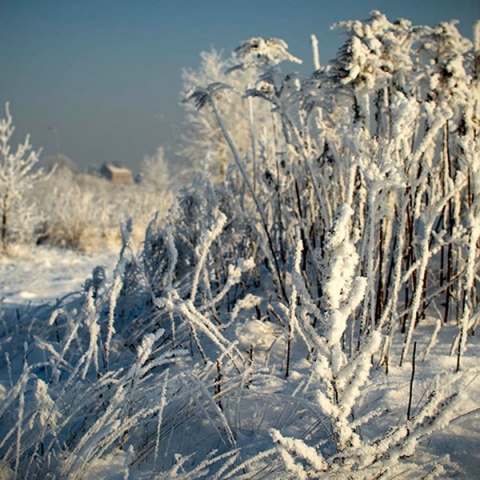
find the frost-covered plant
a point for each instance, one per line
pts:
(18, 173)
(471, 305)
(89, 401)
(155, 172)
(204, 143)
(343, 291)
(388, 455)
(342, 380)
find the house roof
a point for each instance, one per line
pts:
(118, 170)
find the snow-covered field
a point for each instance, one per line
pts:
(41, 275)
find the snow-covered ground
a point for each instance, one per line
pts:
(42, 275)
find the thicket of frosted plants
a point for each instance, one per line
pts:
(61, 207)
(83, 212)
(265, 317)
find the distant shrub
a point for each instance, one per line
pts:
(84, 212)
(19, 172)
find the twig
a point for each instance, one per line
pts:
(410, 393)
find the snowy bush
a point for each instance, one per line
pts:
(18, 173)
(155, 172)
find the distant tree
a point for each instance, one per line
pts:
(154, 171)
(18, 173)
(203, 140)
(59, 162)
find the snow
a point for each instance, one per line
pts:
(35, 276)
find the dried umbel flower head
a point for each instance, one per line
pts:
(259, 52)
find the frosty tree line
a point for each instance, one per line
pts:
(333, 217)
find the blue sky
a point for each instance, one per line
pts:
(106, 74)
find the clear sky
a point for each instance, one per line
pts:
(99, 80)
